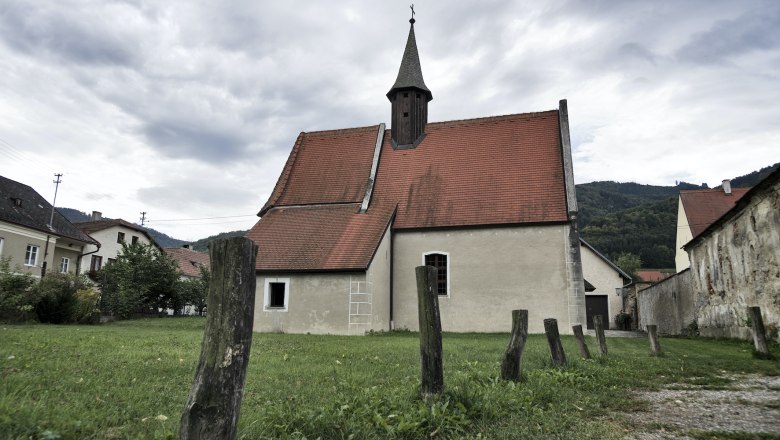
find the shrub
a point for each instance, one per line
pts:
(57, 297)
(86, 309)
(17, 298)
(623, 321)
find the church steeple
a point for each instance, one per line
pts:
(409, 98)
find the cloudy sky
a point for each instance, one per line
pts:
(187, 110)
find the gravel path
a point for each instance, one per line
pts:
(748, 404)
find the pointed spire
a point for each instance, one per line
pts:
(410, 72)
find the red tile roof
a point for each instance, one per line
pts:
(319, 237)
(704, 206)
(326, 167)
(189, 261)
(487, 171)
(653, 276)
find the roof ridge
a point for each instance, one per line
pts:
(340, 131)
(486, 119)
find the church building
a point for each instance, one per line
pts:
(489, 201)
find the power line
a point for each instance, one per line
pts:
(202, 218)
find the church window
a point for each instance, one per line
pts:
(439, 260)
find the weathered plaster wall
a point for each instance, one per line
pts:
(738, 265)
(605, 279)
(668, 304)
(317, 303)
(492, 271)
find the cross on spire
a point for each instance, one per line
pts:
(412, 19)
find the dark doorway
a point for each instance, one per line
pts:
(597, 305)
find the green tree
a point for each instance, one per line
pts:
(629, 263)
(194, 291)
(141, 278)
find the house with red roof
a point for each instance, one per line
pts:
(490, 202)
(696, 210)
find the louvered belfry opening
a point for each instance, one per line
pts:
(409, 98)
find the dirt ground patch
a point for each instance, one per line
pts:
(742, 404)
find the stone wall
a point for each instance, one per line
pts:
(668, 304)
(737, 265)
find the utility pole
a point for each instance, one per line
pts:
(57, 182)
(143, 218)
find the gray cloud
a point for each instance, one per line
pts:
(65, 33)
(755, 30)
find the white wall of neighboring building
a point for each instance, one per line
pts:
(684, 235)
(605, 279)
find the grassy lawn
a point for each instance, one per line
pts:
(131, 379)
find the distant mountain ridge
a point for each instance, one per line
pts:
(614, 218)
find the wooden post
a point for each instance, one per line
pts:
(759, 333)
(652, 334)
(598, 325)
(581, 341)
(430, 332)
(512, 365)
(554, 341)
(214, 402)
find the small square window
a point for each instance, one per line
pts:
(406, 95)
(418, 96)
(276, 295)
(120, 237)
(134, 240)
(406, 114)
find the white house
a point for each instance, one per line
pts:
(605, 285)
(489, 201)
(110, 235)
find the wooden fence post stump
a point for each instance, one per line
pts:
(512, 365)
(584, 352)
(214, 402)
(759, 332)
(430, 332)
(652, 334)
(554, 341)
(598, 326)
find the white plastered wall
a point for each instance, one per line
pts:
(492, 272)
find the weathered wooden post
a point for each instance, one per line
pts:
(554, 341)
(652, 334)
(512, 365)
(581, 341)
(430, 332)
(214, 402)
(759, 332)
(598, 325)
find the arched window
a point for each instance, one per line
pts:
(439, 260)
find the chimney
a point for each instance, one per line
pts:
(727, 186)
(185, 246)
(97, 215)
